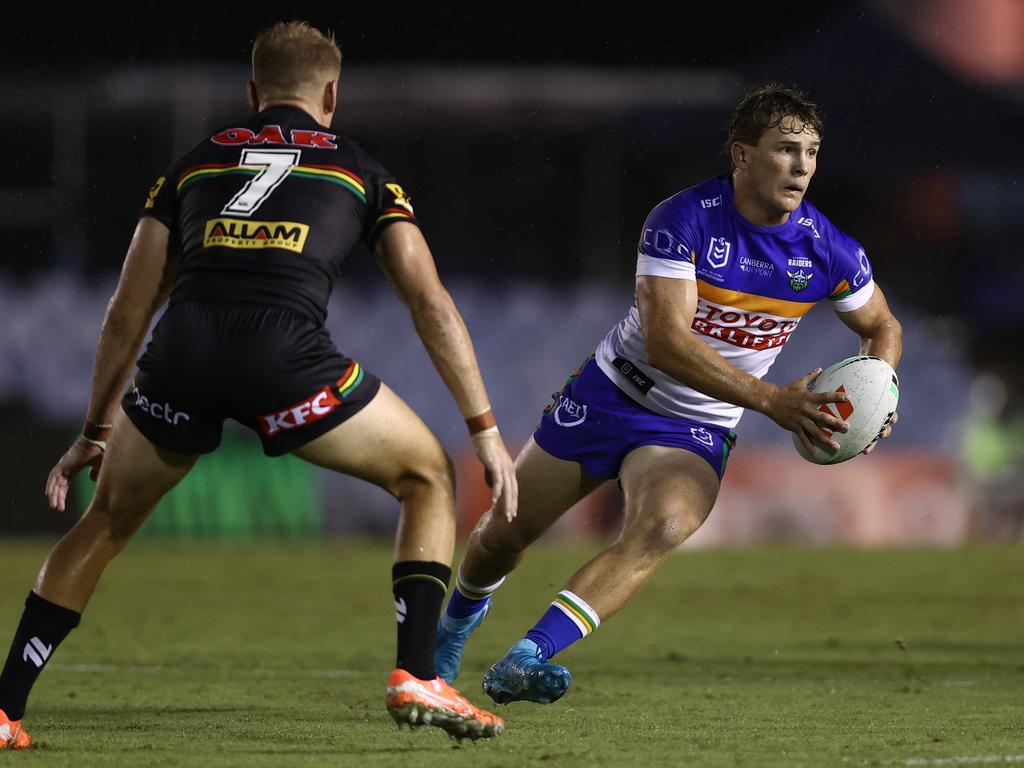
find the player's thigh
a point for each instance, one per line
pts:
(386, 444)
(135, 475)
(669, 492)
(548, 486)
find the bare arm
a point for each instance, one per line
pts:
(881, 335)
(146, 279)
(405, 258)
(667, 307)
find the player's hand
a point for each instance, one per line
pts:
(796, 408)
(81, 454)
(886, 431)
(499, 471)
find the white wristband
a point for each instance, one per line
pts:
(101, 444)
(485, 433)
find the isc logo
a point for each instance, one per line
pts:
(841, 410)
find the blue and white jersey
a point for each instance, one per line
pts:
(754, 284)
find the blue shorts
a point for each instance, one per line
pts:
(595, 424)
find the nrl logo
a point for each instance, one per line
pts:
(798, 280)
(718, 252)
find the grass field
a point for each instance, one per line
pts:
(206, 656)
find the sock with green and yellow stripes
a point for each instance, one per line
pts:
(567, 620)
(419, 589)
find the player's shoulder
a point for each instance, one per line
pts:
(692, 205)
(367, 162)
(833, 241)
(702, 198)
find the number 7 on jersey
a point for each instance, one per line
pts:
(275, 166)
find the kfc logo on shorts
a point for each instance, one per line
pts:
(162, 411)
(309, 410)
(569, 413)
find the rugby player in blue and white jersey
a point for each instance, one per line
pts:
(725, 271)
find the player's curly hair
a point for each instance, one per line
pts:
(291, 57)
(765, 107)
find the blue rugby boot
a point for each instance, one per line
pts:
(452, 635)
(523, 674)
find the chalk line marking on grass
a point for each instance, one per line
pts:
(110, 668)
(976, 760)
(159, 670)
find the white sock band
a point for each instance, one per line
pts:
(472, 591)
(576, 608)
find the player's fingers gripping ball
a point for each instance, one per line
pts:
(872, 387)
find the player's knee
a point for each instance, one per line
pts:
(111, 523)
(667, 528)
(496, 536)
(433, 475)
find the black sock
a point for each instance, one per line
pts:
(43, 626)
(419, 589)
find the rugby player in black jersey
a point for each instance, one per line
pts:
(245, 235)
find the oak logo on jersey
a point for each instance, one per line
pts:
(799, 280)
(234, 233)
(401, 198)
(154, 191)
(273, 135)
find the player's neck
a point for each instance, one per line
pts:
(753, 208)
(312, 110)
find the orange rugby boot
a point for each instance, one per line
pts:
(12, 735)
(433, 702)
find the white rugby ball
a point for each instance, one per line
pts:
(874, 391)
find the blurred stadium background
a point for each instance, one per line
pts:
(534, 139)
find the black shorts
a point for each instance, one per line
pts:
(274, 370)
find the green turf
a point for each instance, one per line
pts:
(207, 656)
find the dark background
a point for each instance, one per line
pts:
(921, 162)
(544, 173)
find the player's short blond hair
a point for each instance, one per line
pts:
(293, 59)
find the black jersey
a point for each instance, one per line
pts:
(267, 209)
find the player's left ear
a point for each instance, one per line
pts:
(330, 97)
(252, 96)
(738, 153)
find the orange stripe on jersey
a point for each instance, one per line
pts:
(753, 302)
(843, 287)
